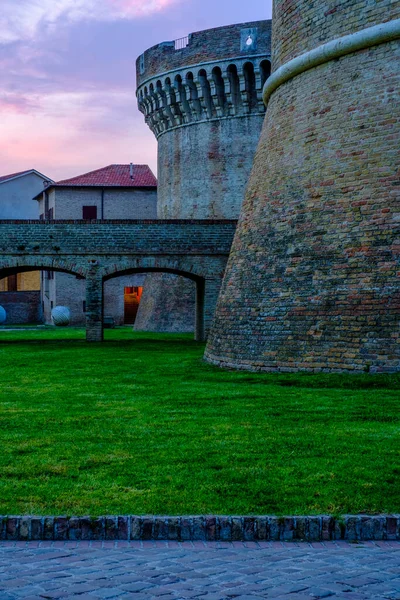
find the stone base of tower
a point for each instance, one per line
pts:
(167, 304)
(312, 280)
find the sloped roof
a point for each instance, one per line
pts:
(20, 173)
(114, 175)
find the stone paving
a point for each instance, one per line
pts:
(211, 570)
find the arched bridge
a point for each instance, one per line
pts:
(100, 250)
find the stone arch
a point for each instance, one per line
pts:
(234, 81)
(265, 70)
(183, 103)
(206, 92)
(219, 90)
(250, 84)
(183, 268)
(35, 263)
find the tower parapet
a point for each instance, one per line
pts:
(219, 74)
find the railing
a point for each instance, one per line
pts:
(182, 43)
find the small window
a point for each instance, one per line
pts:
(89, 212)
(51, 214)
(51, 304)
(41, 217)
(12, 285)
(84, 306)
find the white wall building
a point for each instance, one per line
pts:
(20, 293)
(113, 192)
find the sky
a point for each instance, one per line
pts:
(67, 94)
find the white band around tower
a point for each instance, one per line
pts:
(372, 36)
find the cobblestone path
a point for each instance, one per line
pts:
(167, 570)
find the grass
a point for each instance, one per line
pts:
(140, 424)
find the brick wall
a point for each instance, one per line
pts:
(312, 280)
(117, 204)
(21, 307)
(301, 25)
(30, 241)
(203, 170)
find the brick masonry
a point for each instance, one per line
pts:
(204, 104)
(201, 528)
(312, 280)
(21, 307)
(101, 250)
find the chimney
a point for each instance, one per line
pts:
(131, 170)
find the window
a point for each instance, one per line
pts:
(51, 214)
(12, 283)
(41, 217)
(89, 212)
(84, 306)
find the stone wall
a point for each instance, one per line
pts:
(67, 203)
(102, 250)
(204, 105)
(312, 280)
(41, 243)
(21, 307)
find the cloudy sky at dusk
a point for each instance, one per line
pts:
(67, 95)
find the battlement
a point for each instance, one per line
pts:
(232, 41)
(212, 74)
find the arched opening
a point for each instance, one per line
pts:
(235, 87)
(265, 70)
(28, 307)
(250, 83)
(206, 91)
(157, 287)
(182, 99)
(219, 89)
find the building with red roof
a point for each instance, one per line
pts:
(113, 192)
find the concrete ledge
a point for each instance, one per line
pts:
(202, 528)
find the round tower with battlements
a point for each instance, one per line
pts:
(202, 98)
(312, 282)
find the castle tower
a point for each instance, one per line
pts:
(312, 281)
(202, 98)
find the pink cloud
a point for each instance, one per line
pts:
(22, 20)
(15, 103)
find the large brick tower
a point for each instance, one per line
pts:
(202, 99)
(312, 282)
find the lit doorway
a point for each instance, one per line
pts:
(132, 296)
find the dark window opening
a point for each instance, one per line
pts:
(51, 214)
(89, 212)
(12, 284)
(84, 306)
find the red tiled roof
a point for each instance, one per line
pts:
(114, 175)
(5, 177)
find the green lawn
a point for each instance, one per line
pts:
(139, 424)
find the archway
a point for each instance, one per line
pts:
(200, 293)
(28, 292)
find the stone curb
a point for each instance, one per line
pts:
(202, 528)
